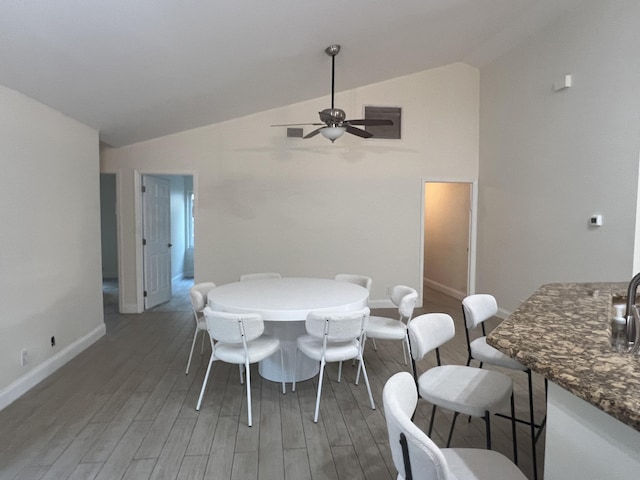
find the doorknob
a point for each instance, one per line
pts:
(169, 245)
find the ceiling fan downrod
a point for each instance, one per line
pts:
(332, 51)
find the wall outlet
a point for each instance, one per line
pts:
(24, 357)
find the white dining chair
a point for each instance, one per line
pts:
(198, 295)
(238, 338)
(333, 337)
(416, 456)
(477, 309)
(462, 389)
(361, 280)
(259, 276)
(385, 328)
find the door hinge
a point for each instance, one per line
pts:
(144, 189)
(144, 241)
(144, 294)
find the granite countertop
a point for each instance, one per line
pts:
(562, 332)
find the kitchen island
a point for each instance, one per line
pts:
(562, 332)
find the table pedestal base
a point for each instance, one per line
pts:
(287, 332)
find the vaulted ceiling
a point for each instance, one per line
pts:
(140, 69)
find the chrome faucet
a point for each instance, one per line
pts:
(632, 314)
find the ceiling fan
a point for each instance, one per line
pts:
(334, 122)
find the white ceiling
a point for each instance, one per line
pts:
(139, 69)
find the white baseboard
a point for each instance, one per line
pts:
(444, 289)
(178, 277)
(131, 308)
(502, 313)
(19, 387)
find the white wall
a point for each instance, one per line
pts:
(309, 207)
(549, 160)
(50, 273)
(446, 237)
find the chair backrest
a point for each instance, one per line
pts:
(357, 279)
(399, 398)
(233, 327)
(478, 308)
(259, 276)
(429, 331)
(337, 326)
(405, 298)
(198, 294)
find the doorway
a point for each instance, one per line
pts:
(449, 230)
(182, 239)
(178, 257)
(109, 241)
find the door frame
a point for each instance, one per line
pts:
(473, 229)
(119, 233)
(137, 204)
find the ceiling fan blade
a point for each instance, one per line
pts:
(314, 133)
(371, 122)
(295, 124)
(358, 132)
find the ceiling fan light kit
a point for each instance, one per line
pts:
(334, 123)
(332, 133)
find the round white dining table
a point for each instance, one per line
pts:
(284, 304)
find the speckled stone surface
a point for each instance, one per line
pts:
(563, 333)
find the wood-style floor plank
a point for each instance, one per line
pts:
(122, 456)
(296, 464)
(193, 467)
(124, 409)
(168, 464)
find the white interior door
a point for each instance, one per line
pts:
(156, 233)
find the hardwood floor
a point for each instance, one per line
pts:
(124, 409)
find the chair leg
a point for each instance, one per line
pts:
(374, 344)
(366, 381)
(513, 430)
(284, 389)
(315, 415)
(193, 344)
(433, 416)
(364, 341)
(544, 420)
(240, 366)
(453, 425)
(534, 455)
(202, 346)
(204, 383)
(487, 421)
(295, 369)
(340, 371)
(248, 375)
(405, 349)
